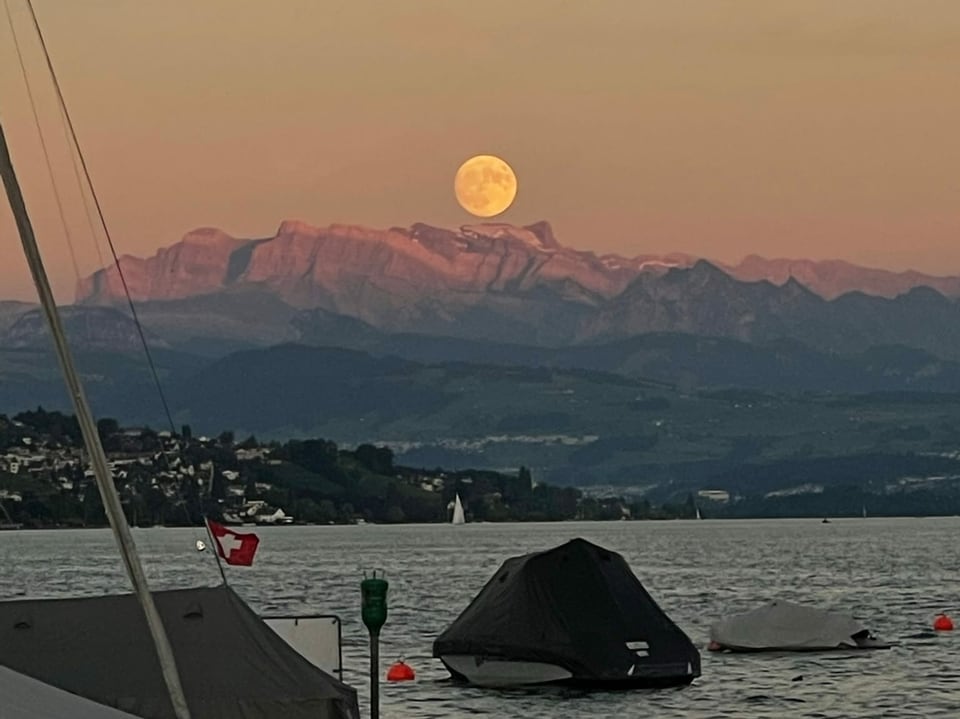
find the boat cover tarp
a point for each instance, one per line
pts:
(231, 664)
(784, 626)
(578, 606)
(22, 697)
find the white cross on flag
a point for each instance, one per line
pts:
(234, 547)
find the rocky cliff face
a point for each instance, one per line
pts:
(486, 280)
(198, 264)
(381, 275)
(350, 268)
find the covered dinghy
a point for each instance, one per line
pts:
(231, 663)
(785, 626)
(573, 614)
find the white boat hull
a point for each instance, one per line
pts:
(503, 672)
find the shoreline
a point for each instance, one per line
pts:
(256, 527)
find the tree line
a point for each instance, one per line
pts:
(314, 480)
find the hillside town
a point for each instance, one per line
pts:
(173, 479)
(43, 465)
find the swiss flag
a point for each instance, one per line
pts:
(234, 547)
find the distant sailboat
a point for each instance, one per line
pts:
(698, 513)
(864, 511)
(458, 517)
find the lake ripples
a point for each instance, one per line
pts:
(894, 575)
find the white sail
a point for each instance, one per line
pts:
(698, 513)
(458, 517)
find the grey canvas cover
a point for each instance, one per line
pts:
(577, 606)
(232, 665)
(22, 697)
(784, 626)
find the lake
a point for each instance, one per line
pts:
(892, 574)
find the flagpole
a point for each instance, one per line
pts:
(216, 548)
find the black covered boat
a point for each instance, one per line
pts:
(574, 614)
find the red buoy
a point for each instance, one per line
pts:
(943, 623)
(400, 672)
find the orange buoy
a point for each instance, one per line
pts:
(400, 672)
(943, 623)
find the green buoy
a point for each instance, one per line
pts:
(373, 609)
(373, 592)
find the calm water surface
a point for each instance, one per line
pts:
(892, 574)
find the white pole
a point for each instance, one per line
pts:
(91, 438)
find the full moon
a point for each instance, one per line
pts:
(485, 185)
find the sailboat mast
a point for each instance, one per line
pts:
(91, 438)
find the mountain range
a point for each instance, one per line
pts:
(310, 266)
(494, 344)
(515, 295)
(505, 284)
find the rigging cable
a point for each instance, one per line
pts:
(83, 195)
(103, 223)
(43, 143)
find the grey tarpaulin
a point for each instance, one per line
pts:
(785, 626)
(22, 697)
(232, 665)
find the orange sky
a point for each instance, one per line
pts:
(817, 128)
